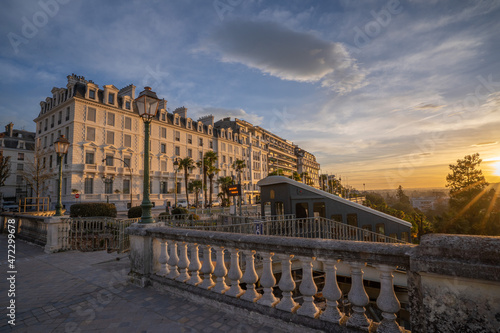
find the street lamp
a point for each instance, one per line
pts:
(61, 147)
(176, 168)
(147, 105)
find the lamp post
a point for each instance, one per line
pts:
(129, 170)
(147, 105)
(176, 168)
(107, 181)
(61, 147)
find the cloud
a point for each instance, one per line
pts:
(220, 113)
(289, 55)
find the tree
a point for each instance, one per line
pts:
(403, 202)
(323, 180)
(209, 160)
(224, 183)
(4, 169)
(296, 176)
(277, 172)
(304, 176)
(212, 171)
(187, 164)
(196, 187)
(36, 175)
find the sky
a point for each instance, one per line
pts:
(383, 93)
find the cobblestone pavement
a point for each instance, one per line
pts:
(88, 292)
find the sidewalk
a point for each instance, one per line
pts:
(88, 292)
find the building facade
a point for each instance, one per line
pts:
(19, 146)
(105, 158)
(307, 167)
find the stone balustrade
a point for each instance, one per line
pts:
(235, 280)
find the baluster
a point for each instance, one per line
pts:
(267, 281)
(287, 285)
(220, 272)
(235, 275)
(172, 261)
(183, 263)
(332, 293)
(387, 300)
(207, 268)
(194, 266)
(250, 277)
(163, 258)
(358, 297)
(308, 289)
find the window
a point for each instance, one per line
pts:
(20, 166)
(109, 160)
(128, 123)
(380, 228)
(110, 138)
(111, 98)
(163, 165)
(163, 187)
(59, 118)
(108, 186)
(91, 114)
(190, 153)
(177, 136)
(230, 160)
(163, 148)
(163, 116)
(92, 93)
(211, 144)
(126, 186)
(200, 142)
(52, 119)
(52, 139)
(337, 218)
(164, 132)
(177, 120)
(127, 162)
(199, 128)
(89, 157)
(19, 179)
(67, 113)
(111, 119)
(46, 122)
(200, 155)
(20, 156)
(179, 186)
(50, 161)
(66, 133)
(190, 139)
(352, 219)
(223, 146)
(230, 148)
(280, 208)
(301, 210)
(43, 164)
(367, 227)
(319, 209)
(223, 158)
(127, 140)
(66, 158)
(404, 236)
(127, 105)
(177, 151)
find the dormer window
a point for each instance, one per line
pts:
(189, 124)
(163, 116)
(127, 105)
(177, 120)
(199, 128)
(111, 98)
(92, 93)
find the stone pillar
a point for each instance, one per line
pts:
(387, 301)
(207, 268)
(141, 257)
(163, 258)
(220, 272)
(332, 293)
(267, 281)
(54, 243)
(358, 297)
(183, 263)
(235, 275)
(173, 259)
(308, 289)
(250, 277)
(194, 266)
(287, 285)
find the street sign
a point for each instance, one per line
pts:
(77, 196)
(234, 190)
(259, 227)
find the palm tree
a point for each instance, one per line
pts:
(195, 186)
(296, 176)
(212, 171)
(187, 164)
(239, 165)
(224, 183)
(209, 160)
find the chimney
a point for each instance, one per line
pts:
(9, 129)
(127, 91)
(182, 111)
(207, 120)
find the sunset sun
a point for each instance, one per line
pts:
(496, 170)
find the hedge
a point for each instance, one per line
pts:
(134, 212)
(93, 209)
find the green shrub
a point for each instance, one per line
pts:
(93, 209)
(194, 217)
(134, 212)
(179, 211)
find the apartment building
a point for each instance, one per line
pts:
(106, 155)
(19, 145)
(307, 167)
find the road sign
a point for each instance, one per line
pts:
(234, 190)
(77, 196)
(259, 227)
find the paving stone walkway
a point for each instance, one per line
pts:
(88, 292)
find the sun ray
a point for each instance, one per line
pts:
(473, 201)
(490, 207)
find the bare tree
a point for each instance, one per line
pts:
(36, 175)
